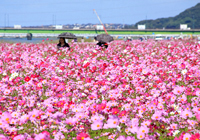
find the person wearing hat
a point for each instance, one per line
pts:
(62, 43)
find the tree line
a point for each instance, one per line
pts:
(190, 16)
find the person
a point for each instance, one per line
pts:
(102, 44)
(62, 43)
(129, 39)
(140, 38)
(82, 40)
(125, 39)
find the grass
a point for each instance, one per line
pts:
(94, 32)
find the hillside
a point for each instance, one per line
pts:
(190, 16)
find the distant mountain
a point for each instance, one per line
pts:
(190, 16)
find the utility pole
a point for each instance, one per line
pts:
(5, 21)
(54, 20)
(146, 22)
(193, 22)
(8, 20)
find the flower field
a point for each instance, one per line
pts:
(132, 90)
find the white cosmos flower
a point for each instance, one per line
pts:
(118, 128)
(184, 71)
(59, 70)
(4, 73)
(175, 132)
(171, 113)
(85, 62)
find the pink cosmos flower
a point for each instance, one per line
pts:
(198, 93)
(112, 122)
(130, 138)
(178, 90)
(7, 92)
(174, 126)
(2, 137)
(15, 114)
(1, 71)
(2, 123)
(186, 136)
(121, 138)
(19, 137)
(88, 138)
(95, 118)
(156, 115)
(60, 88)
(141, 111)
(30, 139)
(135, 122)
(198, 116)
(34, 114)
(126, 107)
(6, 117)
(22, 102)
(71, 121)
(140, 135)
(42, 136)
(160, 106)
(143, 129)
(183, 98)
(123, 119)
(185, 114)
(191, 122)
(151, 107)
(173, 98)
(112, 137)
(97, 125)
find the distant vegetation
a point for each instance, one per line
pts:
(191, 17)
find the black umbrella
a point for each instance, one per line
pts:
(67, 35)
(104, 38)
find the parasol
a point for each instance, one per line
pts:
(104, 38)
(67, 35)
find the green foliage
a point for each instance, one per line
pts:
(190, 16)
